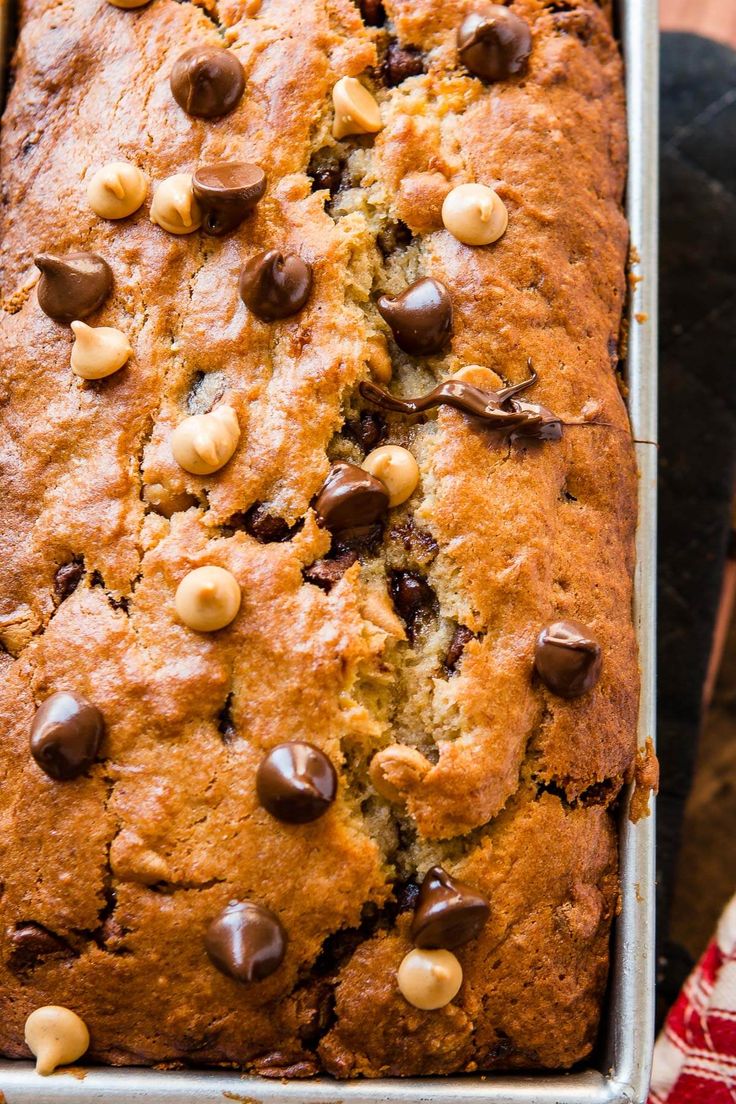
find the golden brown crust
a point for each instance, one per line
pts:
(126, 866)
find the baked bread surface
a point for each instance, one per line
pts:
(110, 880)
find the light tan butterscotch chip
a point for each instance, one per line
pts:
(356, 111)
(397, 769)
(175, 207)
(429, 979)
(55, 1036)
(474, 214)
(208, 598)
(128, 4)
(479, 376)
(397, 470)
(204, 443)
(117, 190)
(98, 351)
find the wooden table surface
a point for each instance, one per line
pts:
(713, 18)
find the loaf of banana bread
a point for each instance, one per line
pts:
(319, 680)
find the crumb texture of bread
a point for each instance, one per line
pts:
(109, 881)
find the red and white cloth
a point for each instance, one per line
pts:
(695, 1056)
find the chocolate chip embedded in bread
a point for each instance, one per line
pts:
(296, 782)
(413, 597)
(31, 945)
(72, 286)
(460, 638)
(207, 81)
(567, 658)
(494, 43)
(326, 176)
(369, 430)
(373, 12)
(226, 193)
(325, 573)
(400, 63)
(267, 528)
(448, 912)
(65, 735)
(420, 318)
(350, 498)
(67, 578)
(274, 285)
(246, 941)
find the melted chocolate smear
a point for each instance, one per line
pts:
(373, 12)
(498, 409)
(326, 175)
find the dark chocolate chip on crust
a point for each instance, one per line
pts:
(65, 735)
(567, 658)
(296, 782)
(274, 285)
(67, 578)
(73, 286)
(246, 941)
(448, 912)
(207, 81)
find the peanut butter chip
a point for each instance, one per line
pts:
(208, 598)
(356, 111)
(204, 443)
(396, 468)
(55, 1036)
(117, 190)
(430, 979)
(474, 214)
(128, 3)
(396, 769)
(174, 206)
(98, 351)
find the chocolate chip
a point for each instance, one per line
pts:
(67, 578)
(413, 598)
(363, 539)
(420, 544)
(265, 527)
(368, 430)
(420, 318)
(31, 945)
(227, 192)
(460, 638)
(65, 735)
(225, 724)
(274, 285)
(401, 62)
(373, 12)
(325, 573)
(296, 782)
(494, 43)
(394, 235)
(207, 81)
(326, 176)
(568, 658)
(246, 941)
(406, 896)
(448, 913)
(350, 498)
(72, 286)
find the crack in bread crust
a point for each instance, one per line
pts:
(127, 865)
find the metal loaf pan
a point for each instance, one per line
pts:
(621, 1074)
